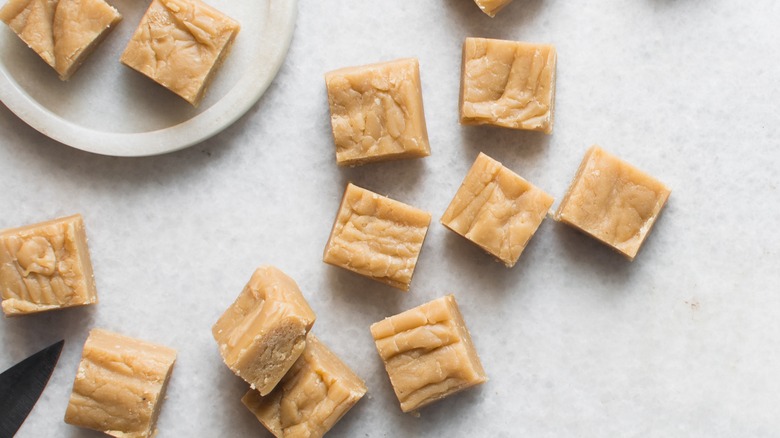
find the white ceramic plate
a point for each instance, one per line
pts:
(109, 109)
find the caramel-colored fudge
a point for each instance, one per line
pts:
(497, 210)
(377, 237)
(377, 112)
(613, 201)
(62, 32)
(46, 266)
(180, 44)
(120, 385)
(317, 391)
(508, 83)
(263, 332)
(428, 353)
(492, 7)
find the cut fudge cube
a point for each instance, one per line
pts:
(311, 398)
(508, 83)
(428, 353)
(377, 237)
(613, 201)
(263, 332)
(62, 32)
(377, 112)
(46, 266)
(492, 7)
(120, 385)
(497, 210)
(180, 44)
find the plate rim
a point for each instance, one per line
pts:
(278, 28)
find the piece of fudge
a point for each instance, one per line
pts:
(62, 32)
(377, 112)
(497, 210)
(428, 353)
(508, 83)
(492, 7)
(613, 201)
(120, 385)
(262, 334)
(377, 237)
(311, 398)
(46, 266)
(180, 44)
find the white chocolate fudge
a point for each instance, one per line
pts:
(613, 201)
(46, 266)
(428, 353)
(120, 385)
(377, 112)
(377, 237)
(311, 398)
(262, 334)
(508, 83)
(180, 44)
(492, 7)
(62, 32)
(497, 210)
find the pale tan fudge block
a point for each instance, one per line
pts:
(508, 83)
(311, 398)
(497, 210)
(263, 332)
(46, 266)
(377, 237)
(492, 7)
(120, 385)
(613, 201)
(377, 112)
(428, 353)
(62, 32)
(180, 44)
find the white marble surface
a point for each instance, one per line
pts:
(576, 340)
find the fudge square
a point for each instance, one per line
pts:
(377, 237)
(311, 398)
(497, 210)
(120, 385)
(46, 266)
(613, 201)
(262, 334)
(508, 83)
(180, 44)
(62, 32)
(428, 353)
(492, 7)
(377, 112)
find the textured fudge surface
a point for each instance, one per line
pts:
(613, 201)
(428, 353)
(377, 112)
(377, 237)
(46, 266)
(262, 334)
(317, 391)
(120, 385)
(508, 83)
(62, 32)
(492, 7)
(180, 44)
(497, 209)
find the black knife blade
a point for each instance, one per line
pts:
(22, 385)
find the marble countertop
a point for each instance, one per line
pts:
(576, 340)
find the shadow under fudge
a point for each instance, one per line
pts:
(474, 263)
(25, 334)
(514, 148)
